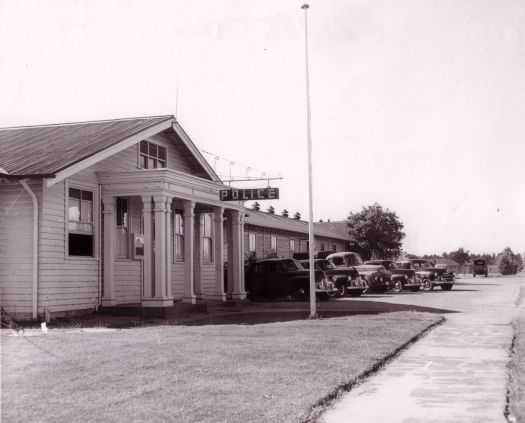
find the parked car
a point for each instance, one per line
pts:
(272, 278)
(429, 275)
(375, 278)
(345, 280)
(480, 267)
(400, 278)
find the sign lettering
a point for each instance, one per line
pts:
(235, 194)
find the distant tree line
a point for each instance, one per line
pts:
(508, 262)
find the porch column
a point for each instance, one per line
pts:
(189, 234)
(110, 227)
(148, 248)
(218, 253)
(237, 255)
(161, 279)
(198, 256)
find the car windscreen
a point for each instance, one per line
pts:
(324, 265)
(352, 259)
(479, 262)
(290, 265)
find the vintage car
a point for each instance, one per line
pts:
(429, 275)
(375, 278)
(272, 278)
(400, 278)
(345, 280)
(480, 268)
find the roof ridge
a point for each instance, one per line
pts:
(87, 122)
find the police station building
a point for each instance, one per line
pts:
(107, 213)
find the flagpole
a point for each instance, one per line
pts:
(311, 240)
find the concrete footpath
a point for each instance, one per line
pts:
(456, 373)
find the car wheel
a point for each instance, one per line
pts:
(446, 286)
(398, 286)
(300, 294)
(427, 285)
(341, 290)
(414, 288)
(356, 293)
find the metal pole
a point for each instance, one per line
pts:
(311, 241)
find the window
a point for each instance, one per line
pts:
(273, 244)
(80, 222)
(178, 238)
(334, 248)
(152, 156)
(322, 246)
(292, 246)
(206, 236)
(122, 238)
(251, 242)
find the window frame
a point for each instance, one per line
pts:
(292, 245)
(252, 236)
(273, 244)
(149, 156)
(178, 257)
(126, 226)
(95, 212)
(206, 239)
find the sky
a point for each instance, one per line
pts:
(417, 105)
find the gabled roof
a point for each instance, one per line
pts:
(275, 221)
(46, 150)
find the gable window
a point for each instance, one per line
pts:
(292, 245)
(206, 236)
(80, 222)
(178, 238)
(251, 242)
(122, 238)
(273, 244)
(152, 156)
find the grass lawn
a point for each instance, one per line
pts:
(228, 373)
(517, 373)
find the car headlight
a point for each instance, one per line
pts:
(406, 277)
(435, 274)
(375, 278)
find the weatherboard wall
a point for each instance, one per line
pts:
(16, 248)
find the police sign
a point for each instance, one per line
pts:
(249, 194)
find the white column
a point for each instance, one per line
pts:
(229, 252)
(169, 244)
(238, 256)
(218, 244)
(109, 297)
(189, 233)
(159, 297)
(197, 258)
(148, 248)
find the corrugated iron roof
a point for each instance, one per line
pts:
(275, 221)
(48, 149)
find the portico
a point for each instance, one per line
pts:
(188, 235)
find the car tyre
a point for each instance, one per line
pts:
(300, 294)
(446, 286)
(341, 290)
(398, 286)
(427, 285)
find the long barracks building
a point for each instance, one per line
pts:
(107, 213)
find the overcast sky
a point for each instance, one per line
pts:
(417, 105)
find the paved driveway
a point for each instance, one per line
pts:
(457, 373)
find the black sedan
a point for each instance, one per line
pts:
(346, 280)
(273, 278)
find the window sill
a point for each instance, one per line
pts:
(82, 258)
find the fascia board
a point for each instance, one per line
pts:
(114, 149)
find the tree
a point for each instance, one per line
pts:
(377, 232)
(271, 210)
(256, 206)
(297, 216)
(509, 263)
(284, 213)
(460, 256)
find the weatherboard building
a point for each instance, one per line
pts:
(108, 213)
